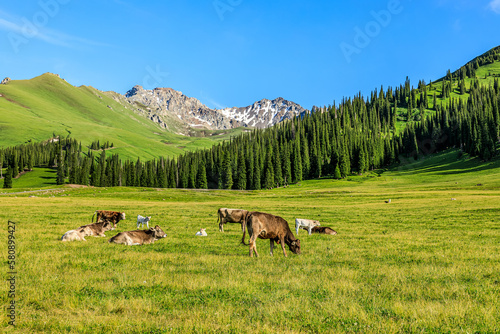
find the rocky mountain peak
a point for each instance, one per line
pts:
(165, 103)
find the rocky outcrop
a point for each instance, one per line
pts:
(165, 103)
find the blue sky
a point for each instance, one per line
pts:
(234, 52)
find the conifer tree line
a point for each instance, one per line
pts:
(355, 136)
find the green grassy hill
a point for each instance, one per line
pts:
(488, 69)
(37, 109)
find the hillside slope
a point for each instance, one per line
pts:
(37, 109)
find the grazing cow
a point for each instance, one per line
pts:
(143, 220)
(77, 235)
(112, 216)
(306, 224)
(138, 237)
(202, 233)
(323, 230)
(267, 226)
(98, 229)
(225, 215)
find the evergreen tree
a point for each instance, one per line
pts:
(287, 166)
(269, 172)
(201, 180)
(241, 177)
(7, 182)
(227, 175)
(337, 175)
(193, 172)
(363, 160)
(30, 162)
(345, 163)
(60, 167)
(15, 165)
(278, 173)
(102, 167)
(257, 169)
(297, 163)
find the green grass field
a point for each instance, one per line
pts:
(423, 263)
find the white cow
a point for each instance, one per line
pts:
(77, 235)
(305, 224)
(143, 221)
(201, 233)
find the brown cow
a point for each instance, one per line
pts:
(98, 229)
(267, 226)
(112, 216)
(323, 230)
(225, 215)
(138, 237)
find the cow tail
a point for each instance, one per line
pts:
(244, 231)
(93, 216)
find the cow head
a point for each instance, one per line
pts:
(295, 246)
(316, 223)
(122, 215)
(157, 232)
(108, 226)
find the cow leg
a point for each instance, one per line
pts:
(309, 230)
(297, 229)
(282, 241)
(253, 245)
(272, 246)
(147, 224)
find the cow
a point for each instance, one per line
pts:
(77, 235)
(98, 229)
(112, 216)
(267, 226)
(306, 224)
(323, 230)
(202, 233)
(225, 215)
(143, 220)
(138, 237)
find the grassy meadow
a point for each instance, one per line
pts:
(429, 261)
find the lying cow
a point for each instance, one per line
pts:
(143, 221)
(267, 226)
(138, 237)
(77, 235)
(225, 215)
(201, 233)
(98, 229)
(323, 230)
(306, 224)
(112, 216)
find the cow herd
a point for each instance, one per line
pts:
(267, 226)
(258, 224)
(107, 221)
